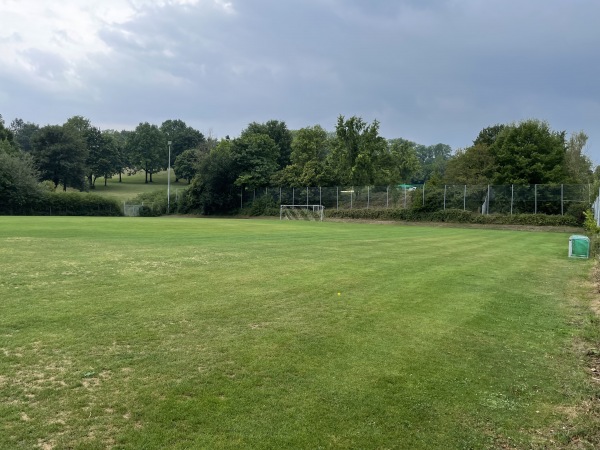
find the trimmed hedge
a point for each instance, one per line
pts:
(453, 216)
(71, 204)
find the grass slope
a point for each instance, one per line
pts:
(192, 333)
(133, 185)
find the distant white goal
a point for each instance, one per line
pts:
(131, 210)
(301, 212)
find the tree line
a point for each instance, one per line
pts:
(76, 153)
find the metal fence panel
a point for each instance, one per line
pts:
(484, 199)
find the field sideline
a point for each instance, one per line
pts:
(212, 333)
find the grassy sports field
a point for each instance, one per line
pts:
(185, 333)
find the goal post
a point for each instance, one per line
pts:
(301, 212)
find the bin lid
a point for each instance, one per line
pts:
(578, 237)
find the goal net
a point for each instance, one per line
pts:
(132, 210)
(301, 212)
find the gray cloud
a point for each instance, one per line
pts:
(432, 71)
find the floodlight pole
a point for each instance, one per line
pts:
(169, 180)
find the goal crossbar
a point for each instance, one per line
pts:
(301, 212)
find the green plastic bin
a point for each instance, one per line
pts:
(579, 246)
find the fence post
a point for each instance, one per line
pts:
(279, 195)
(293, 196)
(387, 197)
(512, 198)
(306, 195)
(444, 197)
(597, 209)
(320, 197)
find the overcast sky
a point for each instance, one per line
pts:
(428, 70)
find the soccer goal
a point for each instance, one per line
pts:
(136, 210)
(131, 210)
(301, 212)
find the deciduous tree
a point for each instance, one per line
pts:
(529, 153)
(19, 187)
(148, 150)
(357, 151)
(61, 153)
(182, 137)
(473, 165)
(279, 133)
(578, 165)
(213, 188)
(24, 132)
(307, 167)
(400, 163)
(255, 157)
(186, 164)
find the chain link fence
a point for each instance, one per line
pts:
(556, 199)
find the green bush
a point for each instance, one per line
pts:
(577, 210)
(74, 204)
(154, 203)
(263, 206)
(452, 216)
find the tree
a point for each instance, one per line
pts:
(212, 189)
(24, 132)
(61, 153)
(400, 163)
(488, 135)
(7, 144)
(578, 165)
(147, 148)
(473, 165)
(125, 161)
(255, 157)
(102, 149)
(104, 157)
(529, 153)
(19, 187)
(310, 148)
(115, 142)
(279, 133)
(433, 159)
(79, 124)
(182, 137)
(357, 151)
(186, 164)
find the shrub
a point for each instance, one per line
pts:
(154, 203)
(452, 216)
(263, 206)
(76, 204)
(578, 211)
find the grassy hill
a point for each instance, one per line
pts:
(133, 185)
